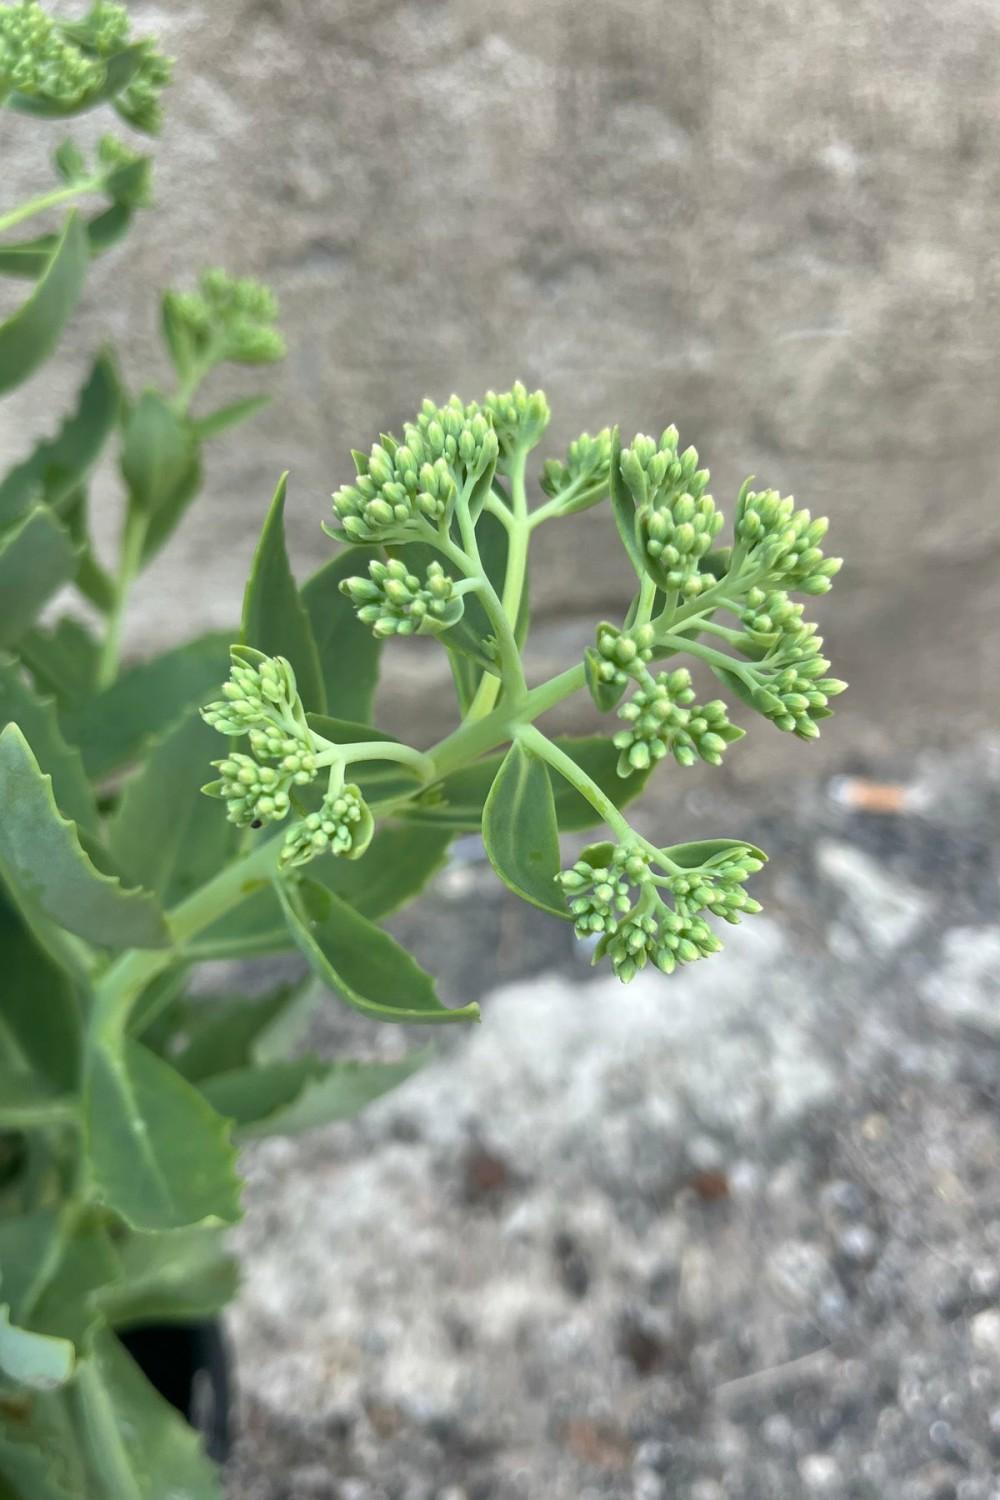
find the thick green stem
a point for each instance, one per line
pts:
(123, 981)
(133, 540)
(533, 739)
(707, 654)
(518, 533)
(38, 205)
(375, 750)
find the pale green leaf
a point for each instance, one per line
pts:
(161, 833)
(157, 451)
(520, 830)
(47, 871)
(349, 654)
(180, 1275)
(285, 1098)
(37, 556)
(30, 335)
(113, 727)
(275, 620)
(136, 1446)
(59, 465)
(37, 720)
(39, 1012)
(360, 962)
(160, 1156)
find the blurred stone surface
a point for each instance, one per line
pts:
(778, 229)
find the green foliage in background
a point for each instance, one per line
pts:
(124, 1088)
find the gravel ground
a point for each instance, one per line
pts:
(729, 1236)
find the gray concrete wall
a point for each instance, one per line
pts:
(774, 224)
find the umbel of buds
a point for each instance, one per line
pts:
(261, 701)
(519, 417)
(409, 490)
(676, 521)
(785, 541)
(663, 717)
(583, 475)
(65, 66)
(229, 319)
(393, 601)
(640, 916)
(343, 825)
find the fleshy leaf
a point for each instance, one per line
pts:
(692, 856)
(398, 865)
(47, 871)
(349, 654)
(58, 465)
(183, 1274)
(157, 451)
(160, 833)
(30, 335)
(520, 830)
(284, 1098)
(39, 1010)
(360, 962)
(223, 1033)
(275, 620)
(28, 258)
(33, 1360)
(40, 726)
(160, 1156)
(228, 416)
(37, 556)
(113, 727)
(136, 1445)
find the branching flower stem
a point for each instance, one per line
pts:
(33, 206)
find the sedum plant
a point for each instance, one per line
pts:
(126, 1079)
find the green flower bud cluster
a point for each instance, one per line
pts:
(393, 601)
(586, 469)
(718, 886)
(253, 793)
(343, 826)
(261, 700)
(619, 656)
(676, 522)
(675, 538)
(261, 693)
(796, 697)
(598, 888)
(401, 487)
(786, 541)
(139, 101)
(773, 621)
(64, 64)
(663, 936)
(38, 62)
(613, 895)
(397, 491)
(657, 474)
(230, 318)
(104, 31)
(661, 719)
(519, 416)
(460, 434)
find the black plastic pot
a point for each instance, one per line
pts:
(190, 1366)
